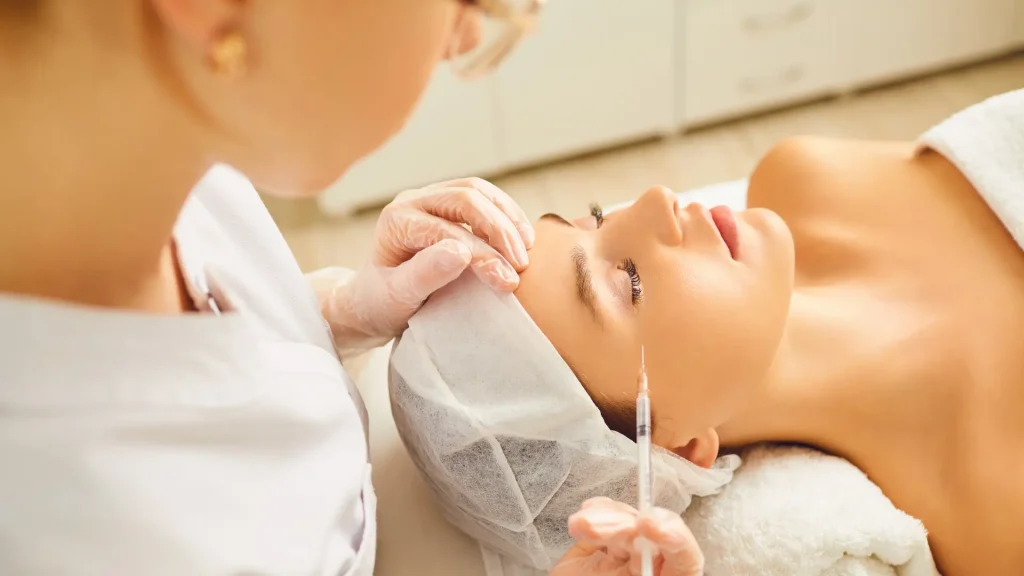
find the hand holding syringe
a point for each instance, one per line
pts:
(615, 539)
(605, 532)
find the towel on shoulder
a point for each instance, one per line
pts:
(986, 143)
(793, 511)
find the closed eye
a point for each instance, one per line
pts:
(634, 280)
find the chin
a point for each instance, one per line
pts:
(767, 222)
(771, 230)
(303, 179)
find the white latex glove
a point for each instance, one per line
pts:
(422, 243)
(606, 532)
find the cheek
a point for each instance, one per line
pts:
(712, 330)
(395, 60)
(334, 80)
(696, 305)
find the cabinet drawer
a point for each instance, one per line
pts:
(741, 55)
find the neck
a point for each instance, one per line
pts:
(837, 377)
(94, 169)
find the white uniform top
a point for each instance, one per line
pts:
(186, 445)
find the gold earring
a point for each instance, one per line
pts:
(229, 55)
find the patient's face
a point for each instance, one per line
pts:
(662, 275)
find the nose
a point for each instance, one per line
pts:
(465, 34)
(658, 211)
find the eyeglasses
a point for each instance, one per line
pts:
(505, 23)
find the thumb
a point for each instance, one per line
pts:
(679, 548)
(428, 271)
(579, 560)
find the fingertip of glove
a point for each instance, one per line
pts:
(460, 250)
(464, 253)
(529, 236)
(666, 529)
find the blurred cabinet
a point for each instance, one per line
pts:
(898, 43)
(1019, 23)
(603, 72)
(597, 72)
(886, 39)
(742, 55)
(984, 28)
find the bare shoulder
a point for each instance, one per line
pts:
(815, 172)
(876, 186)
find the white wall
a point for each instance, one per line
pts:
(887, 39)
(598, 72)
(602, 72)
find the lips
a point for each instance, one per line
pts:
(726, 224)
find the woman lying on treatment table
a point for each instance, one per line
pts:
(868, 303)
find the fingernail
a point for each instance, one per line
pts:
(640, 542)
(595, 501)
(529, 236)
(662, 515)
(463, 251)
(667, 528)
(520, 255)
(501, 271)
(508, 275)
(606, 520)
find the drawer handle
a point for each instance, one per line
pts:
(796, 14)
(789, 76)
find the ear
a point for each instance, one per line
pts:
(701, 450)
(466, 33)
(200, 22)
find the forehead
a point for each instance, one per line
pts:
(547, 286)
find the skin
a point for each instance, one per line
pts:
(88, 219)
(695, 297)
(899, 347)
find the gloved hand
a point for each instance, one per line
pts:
(606, 531)
(421, 244)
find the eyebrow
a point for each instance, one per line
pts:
(584, 279)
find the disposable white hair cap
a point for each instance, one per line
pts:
(505, 434)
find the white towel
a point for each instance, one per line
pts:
(986, 143)
(793, 511)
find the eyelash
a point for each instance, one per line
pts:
(597, 213)
(634, 280)
(627, 265)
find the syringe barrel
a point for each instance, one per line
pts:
(645, 479)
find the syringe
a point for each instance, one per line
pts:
(645, 480)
